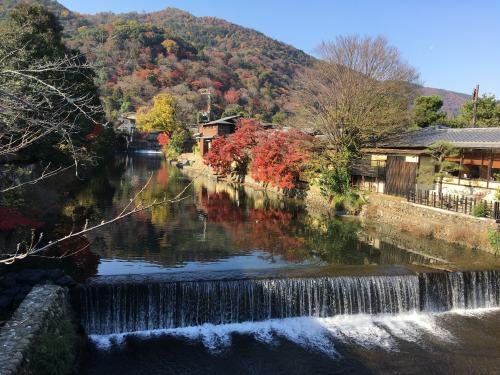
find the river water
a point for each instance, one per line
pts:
(217, 227)
(235, 281)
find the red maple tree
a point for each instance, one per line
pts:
(163, 139)
(11, 219)
(232, 154)
(216, 158)
(278, 158)
(231, 96)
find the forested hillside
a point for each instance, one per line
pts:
(451, 100)
(140, 55)
(171, 50)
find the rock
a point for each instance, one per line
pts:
(19, 297)
(54, 274)
(30, 276)
(5, 302)
(65, 281)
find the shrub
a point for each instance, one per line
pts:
(53, 353)
(480, 210)
(494, 238)
(334, 181)
(196, 149)
(350, 202)
(175, 145)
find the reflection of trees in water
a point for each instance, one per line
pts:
(272, 229)
(292, 234)
(82, 263)
(336, 241)
(215, 222)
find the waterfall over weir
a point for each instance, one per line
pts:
(137, 306)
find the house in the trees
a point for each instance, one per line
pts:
(209, 130)
(399, 165)
(127, 123)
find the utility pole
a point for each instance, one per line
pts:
(475, 97)
(208, 93)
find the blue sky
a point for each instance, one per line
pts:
(453, 44)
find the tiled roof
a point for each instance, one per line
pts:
(463, 138)
(229, 120)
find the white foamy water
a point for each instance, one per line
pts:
(321, 334)
(475, 312)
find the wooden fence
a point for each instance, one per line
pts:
(456, 203)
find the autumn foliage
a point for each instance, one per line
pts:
(231, 96)
(11, 219)
(163, 139)
(274, 157)
(232, 154)
(269, 229)
(278, 159)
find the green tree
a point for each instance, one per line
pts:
(162, 116)
(175, 146)
(440, 152)
(426, 111)
(36, 28)
(487, 114)
(278, 118)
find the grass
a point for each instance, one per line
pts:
(54, 353)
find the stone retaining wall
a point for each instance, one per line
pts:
(432, 222)
(14, 286)
(316, 203)
(41, 315)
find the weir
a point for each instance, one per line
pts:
(138, 306)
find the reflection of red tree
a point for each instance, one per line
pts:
(273, 230)
(270, 229)
(162, 175)
(11, 219)
(219, 208)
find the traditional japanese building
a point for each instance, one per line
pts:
(397, 165)
(209, 130)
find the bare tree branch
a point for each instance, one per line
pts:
(360, 89)
(46, 173)
(37, 99)
(34, 248)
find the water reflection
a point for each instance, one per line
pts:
(216, 227)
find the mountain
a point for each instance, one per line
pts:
(141, 54)
(451, 100)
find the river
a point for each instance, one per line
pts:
(230, 280)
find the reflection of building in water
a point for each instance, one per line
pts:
(392, 254)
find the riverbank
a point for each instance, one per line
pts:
(429, 222)
(40, 338)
